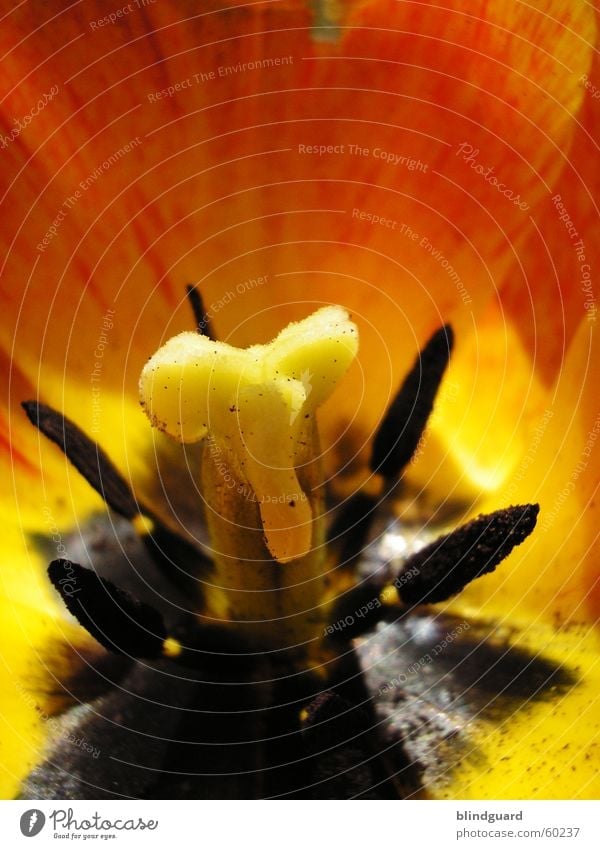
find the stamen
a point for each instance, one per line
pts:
(115, 619)
(349, 531)
(203, 322)
(177, 559)
(336, 733)
(445, 567)
(328, 708)
(170, 552)
(355, 611)
(87, 457)
(398, 434)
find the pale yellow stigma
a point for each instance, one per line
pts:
(255, 407)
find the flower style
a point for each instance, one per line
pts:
(417, 165)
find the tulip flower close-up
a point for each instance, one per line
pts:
(300, 422)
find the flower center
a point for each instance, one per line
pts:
(261, 475)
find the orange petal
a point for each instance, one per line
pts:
(554, 574)
(148, 188)
(561, 253)
(489, 400)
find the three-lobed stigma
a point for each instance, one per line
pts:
(255, 408)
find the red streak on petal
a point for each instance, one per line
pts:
(152, 258)
(91, 287)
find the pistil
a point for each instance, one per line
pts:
(261, 476)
